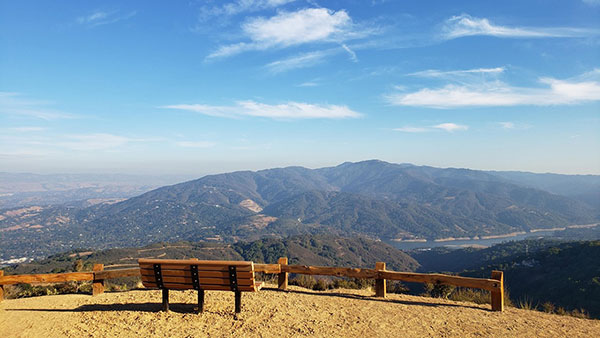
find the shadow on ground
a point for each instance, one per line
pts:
(191, 308)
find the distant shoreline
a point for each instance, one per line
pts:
(477, 238)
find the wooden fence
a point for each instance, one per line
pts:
(98, 276)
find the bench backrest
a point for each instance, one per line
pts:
(196, 274)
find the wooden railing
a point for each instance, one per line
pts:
(495, 284)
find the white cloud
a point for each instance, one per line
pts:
(94, 17)
(16, 104)
(585, 88)
(408, 129)
(309, 84)
(298, 61)
(450, 127)
(310, 25)
(196, 144)
(293, 28)
(434, 73)
(240, 6)
(507, 125)
(466, 25)
(290, 110)
(350, 52)
(98, 18)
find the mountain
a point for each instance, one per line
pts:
(374, 198)
(585, 188)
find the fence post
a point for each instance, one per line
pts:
(283, 276)
(1, 287)
(98, 284)
(380, 289)
(498, 296)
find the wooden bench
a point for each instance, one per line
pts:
(165, 274)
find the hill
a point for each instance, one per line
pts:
(373, 198)
(307, 250)
(271, 313)
(566, 274)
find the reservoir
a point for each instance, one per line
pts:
(471, 242)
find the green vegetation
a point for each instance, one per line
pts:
(563, 275)
(309, 250)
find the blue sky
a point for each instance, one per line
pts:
(197, 87)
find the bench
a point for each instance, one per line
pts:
(166, 274)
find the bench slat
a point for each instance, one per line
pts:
(202, 281)
(245, 268)
(187, 273)
(207, 287)
(191, 261)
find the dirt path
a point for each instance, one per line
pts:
(271, 313)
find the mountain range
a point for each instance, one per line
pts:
(372, 198)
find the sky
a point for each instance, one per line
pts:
(200, 87)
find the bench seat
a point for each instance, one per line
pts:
(166, 274)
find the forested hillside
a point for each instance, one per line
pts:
(566, 274)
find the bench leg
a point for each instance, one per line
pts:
(200, 301)
(238, 301)
(165, 297)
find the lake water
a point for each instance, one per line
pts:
(462, 243)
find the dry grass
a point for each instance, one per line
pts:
(273, 313)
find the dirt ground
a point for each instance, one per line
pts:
(273, 313)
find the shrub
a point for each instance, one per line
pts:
(69, 287)
(304, 281)
(321, 285)
(526, 304)
(396, 287)
(438, 290)
(548, 307)
(85, 288)
(470, 295)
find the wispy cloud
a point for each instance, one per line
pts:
(239, 6)
(298, 61)
(88, 142)
(99, 18)
(581, 89)
(310, 25)
(592, 2)
(196, 144)
(408, 129)
(17, 104)
(434, 73)
(448, 126)
(350, 52)
(286, 111)
(507, 125)
(466, 25)
(312, 83)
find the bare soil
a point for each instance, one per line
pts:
(273, 313)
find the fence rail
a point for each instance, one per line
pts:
(495, 284)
